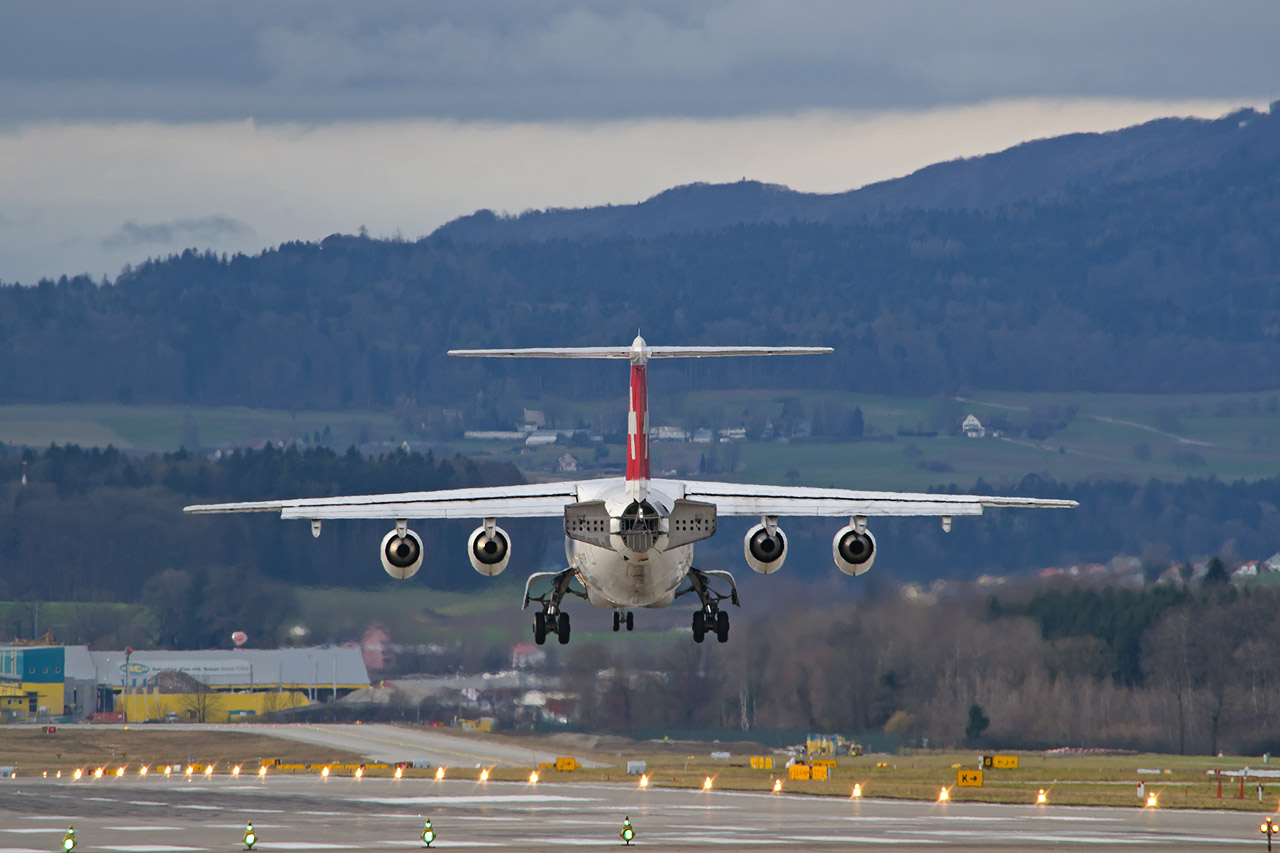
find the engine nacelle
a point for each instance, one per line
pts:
(489, 554)
(401, 554)
(765, 554)
(854, 552)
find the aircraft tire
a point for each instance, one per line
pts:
(539, 628)
(617, 620)
(562, 628)
(722, 626)
(699, 627)
(631, 621)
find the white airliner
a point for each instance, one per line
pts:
(629, 541)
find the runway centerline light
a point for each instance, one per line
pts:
(1041, 797)
(706, 784)
(644, 780)
(944, 795)
(69, 840)
(628, 831)
(250, 836)
(439, 773)
(1151, 800)
(777, 786)
(857, 790)
(428, 833)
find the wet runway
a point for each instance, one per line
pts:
(155, 815)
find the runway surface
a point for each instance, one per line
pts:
(155, 815)
(423, 746)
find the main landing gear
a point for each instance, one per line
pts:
(551, 618)
(710, 619)
(619, 619)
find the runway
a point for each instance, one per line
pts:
(155, 815)
(387, 743)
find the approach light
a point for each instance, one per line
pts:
(628, 832)
(1269, 828)
(644, 780)
(706, 784)
(428, 834)
(1151, 800)
(1041, 797)
(69, 840)
(484, 775)
(857, 790)
(944, 795)
(533, 778)
(250, 836)
(399, 772)
(439, 773)
(777, 786)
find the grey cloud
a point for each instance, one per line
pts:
(179, 232)
(324, 60)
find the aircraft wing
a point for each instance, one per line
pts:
(533, 500)
(747, 499)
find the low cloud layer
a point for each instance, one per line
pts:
(205, 231)
(325, 60)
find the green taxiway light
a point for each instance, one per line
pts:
(69, 840)
(428, 834)
(628, 833)
(250, 836)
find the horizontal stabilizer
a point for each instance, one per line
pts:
(639, 351)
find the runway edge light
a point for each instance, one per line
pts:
(628, 832)
(1041, 797)
(250, 836)
(428, 833)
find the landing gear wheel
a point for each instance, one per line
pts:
(562, 628)
(539, 628)
(722, 626)
(617, 620)
(699, 627)
(631, 622)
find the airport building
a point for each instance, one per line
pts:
(72, 683)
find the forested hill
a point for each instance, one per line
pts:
(1163, 282)
(1034, 171)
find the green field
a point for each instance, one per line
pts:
(1126, 436)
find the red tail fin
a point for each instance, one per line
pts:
(638, 426)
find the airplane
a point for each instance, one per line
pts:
(629, 540)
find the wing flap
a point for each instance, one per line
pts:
(527, 501)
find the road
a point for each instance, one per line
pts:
(155, 815)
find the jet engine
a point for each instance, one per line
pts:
(854, 552)
(489, 549)
(765, 548)
(401, 553)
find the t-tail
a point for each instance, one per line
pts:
(639, 354)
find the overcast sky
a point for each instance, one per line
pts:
(133, 128)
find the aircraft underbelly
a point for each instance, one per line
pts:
(616, 579)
